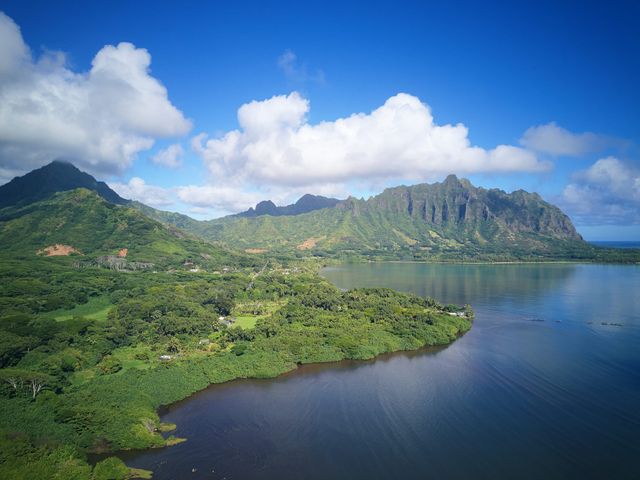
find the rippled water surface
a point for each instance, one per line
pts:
(546, 385)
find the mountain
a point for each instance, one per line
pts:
(307, 203)
(81, 224)
(451, 219)
(58, 176)
(58, 210)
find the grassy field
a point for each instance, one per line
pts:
(96, 308)
(247, 321)
(247, 314)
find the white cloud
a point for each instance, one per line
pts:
(224, 200)
(296, 71)
(169, 157)
(608, 192)
(555, 140)
(13, 52)
(219, 198)
(138, 189)
(275, 145)
(100, 119)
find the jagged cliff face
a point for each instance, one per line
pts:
(447, 220)
(437, 219)
(456, 204)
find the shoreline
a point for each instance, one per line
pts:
(479, 262)
(298, 369)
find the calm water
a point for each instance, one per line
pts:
(539, 388)
(616, 244)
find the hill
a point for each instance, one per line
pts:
(448, 220)
(451, 220)
(82, 224)
(57, 176)
(305, 204)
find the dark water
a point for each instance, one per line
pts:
(540, 388)
(616, 244)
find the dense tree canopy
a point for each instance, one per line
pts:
(89, 354)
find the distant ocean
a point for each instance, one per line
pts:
(614, 244)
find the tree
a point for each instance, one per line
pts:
(37, 382)
(34, 381)
(222, 302)
(14, 381)
(173, 346)
(111, 468)
(109, 365)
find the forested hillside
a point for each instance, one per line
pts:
(82, 224)
(87, 355)
(452, 220)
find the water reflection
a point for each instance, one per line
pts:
(514, 398)
(456, 283)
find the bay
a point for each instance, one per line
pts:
(545, 385)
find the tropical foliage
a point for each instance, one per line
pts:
(79, 383)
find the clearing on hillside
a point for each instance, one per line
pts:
(256, 250)
(310, 243)
(58, 250)
(96, 308)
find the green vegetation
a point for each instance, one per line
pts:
(88, 354)
(246, 322)
(133, 313)
(98, 231)
(247, 314)
(448, 221)
(96, 308)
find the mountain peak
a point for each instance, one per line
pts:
(305, 204)
(451, 178)
(57, 176)
(266, 207)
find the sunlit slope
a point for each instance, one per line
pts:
(441, 219)
(81, 224)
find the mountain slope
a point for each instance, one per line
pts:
(452, 219)
(305, 204)
(448, 220)
(55, 177)
(82, 223)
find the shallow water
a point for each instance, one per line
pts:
(543, 386)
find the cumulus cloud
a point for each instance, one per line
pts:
(276, 145)
(100, 119)
(296, 71)
(169, 157)
(225, 200)
(220, 198)
(138, 189)
(555, 140)
(608, 192)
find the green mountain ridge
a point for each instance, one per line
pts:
(95, 228)
(57, 176)
(450, 220)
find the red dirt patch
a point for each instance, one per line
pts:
(123, 252)
(309, 243)
(58, 250)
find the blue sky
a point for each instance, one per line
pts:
(554, 81)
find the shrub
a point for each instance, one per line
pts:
(111, 468)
